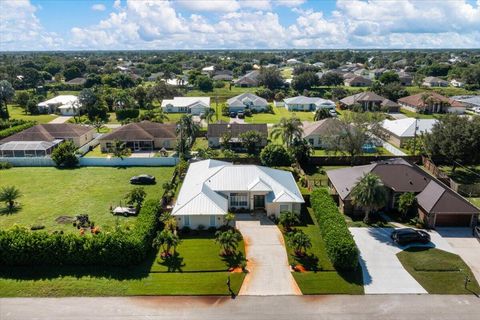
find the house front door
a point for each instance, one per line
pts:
(259, 202)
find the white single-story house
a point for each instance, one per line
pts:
(246, 100)
(193, 105)
(302, 103)
(402, 130)
(212, 188)
(66, 105)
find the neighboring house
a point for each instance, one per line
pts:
(41, 139)
(406, 79)
(357, 81)
(402, 130)
(434, 82)
(216, 132)
(155, 76)
(376, 73)
(293, 61)
(302, 103)
(248, 80)
(438, 205)
(66, 105)
(431, 102)
(246, 100)
(208, 70)
(193, 105)
(223, 75)
(469, 101)
(457, 84)
(314, 132)
(212, 188)
(369, 101)
(77, 81)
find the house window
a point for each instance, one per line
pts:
(186, 223)
(212, 221)
(238, 199)
(284, 207)
(311, 141)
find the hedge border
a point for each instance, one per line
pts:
(12, 130)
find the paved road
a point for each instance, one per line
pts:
(381, 307)
(267, 261)
(61, 119)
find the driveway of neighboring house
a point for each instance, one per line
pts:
(465, 245)
(397, 115)
(61, 119)
(383, 273)
(267, 262)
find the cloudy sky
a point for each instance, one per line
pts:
(237, 24)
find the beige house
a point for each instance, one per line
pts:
(314, 132)
(142, 136)
(431, 102)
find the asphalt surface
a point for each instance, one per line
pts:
(371, 307)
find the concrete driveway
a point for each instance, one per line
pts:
(383, 273)
(465, 245)
(267, 261)
(237, 120)
(61, 119)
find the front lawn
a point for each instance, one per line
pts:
(439, 272)
(412, 114)
(380, 152)
(322, 278)
(279, 113)
(17, 112)
(48, 193)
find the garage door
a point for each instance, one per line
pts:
(453, 220)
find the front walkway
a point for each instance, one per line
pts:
(61, 119)
(267, 261)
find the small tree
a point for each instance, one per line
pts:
(64, 155)
(228, 240)
(275, 155)
(406, 203)
(321, 113)
(370, 194)
(119, 149)
(6, 95)
(98, 123)
(166, 240)
(251, 140)
(8, 195)
(287, 219)
(229, 217)
(300, 242)
(22, 100)
(136, 196)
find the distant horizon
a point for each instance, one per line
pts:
(132, 25)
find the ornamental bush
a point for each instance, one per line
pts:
(20, 246)
(123, 114)
(340, 246)
(15, 129)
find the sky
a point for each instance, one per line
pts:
(237, 24)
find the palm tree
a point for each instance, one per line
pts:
(287, 219)
(187, 128)
(320, 114)
(300, 242)
(209, 115)
(288, 130)
(228, 240)
(8, 195)
(370, 194)
(166, 240)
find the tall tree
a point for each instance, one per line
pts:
(270, 78)
(228, 240)
(6, 95)
(321, 113)
(209, 114)
(288, 129)
(369, 194)
(251, 140)
(94, 104)
(187, 131)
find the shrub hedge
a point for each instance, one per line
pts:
(20, 246)
(127, 114)
(340, 246)
(12, 130)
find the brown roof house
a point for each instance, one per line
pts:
(434, 82)
(41, 139)
(438, 205)
(370, 101)
(315, 132)
(218, 131)
(142, 136)
(431, 102)
(357, 81)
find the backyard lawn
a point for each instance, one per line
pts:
(463, 175)
(48, 193)
(278, 114)
(439, 272)
(17, 112)
(380, 152)
(322, 278)
(223, 94)
(198, 270)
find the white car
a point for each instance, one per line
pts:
(476, 110)
(332, 112)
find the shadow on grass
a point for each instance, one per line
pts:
(234, 260)
(173, 263)
(309, 261)
(353, 276)
(6, 211)
(45, 272)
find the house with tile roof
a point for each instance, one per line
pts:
(370, 101)
(212, 188)
(431, 102)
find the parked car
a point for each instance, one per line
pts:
(332, 113)
(233, 114)
(142, 179)
(409, 235)
(124, 211)
(240, 115)
(476, 110)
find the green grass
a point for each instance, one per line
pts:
(279, 113)
(475, 201)
(96, 153)
(463, 175)
(200, 143)
(439, 272)
(376, 222)
(223, 94)
(322, 277)
(412, 114)
(17, 112)
(286, 72)
(48, 193)
(380, 152)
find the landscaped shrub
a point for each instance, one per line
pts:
(127, 114)
(20, 246)
(5, 165)
(340, 246)
(12, 130)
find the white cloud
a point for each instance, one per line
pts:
(210, 5)
(99, 7)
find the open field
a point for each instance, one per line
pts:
(279, 113)
(439, 272)
(16, 112)
(48, 193)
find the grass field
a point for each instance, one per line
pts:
(380, 152)
(439, 272)
(221, 95)
(411, 114)
(48, 193)
(322, 277)
(278, 114)
(17, 112)
(197, 270)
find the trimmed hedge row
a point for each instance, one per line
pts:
(12, 130)
(20, 246)
(340, 246)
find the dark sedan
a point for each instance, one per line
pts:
(142, 179)
(408, 235)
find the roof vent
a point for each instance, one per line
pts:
(410, 182)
